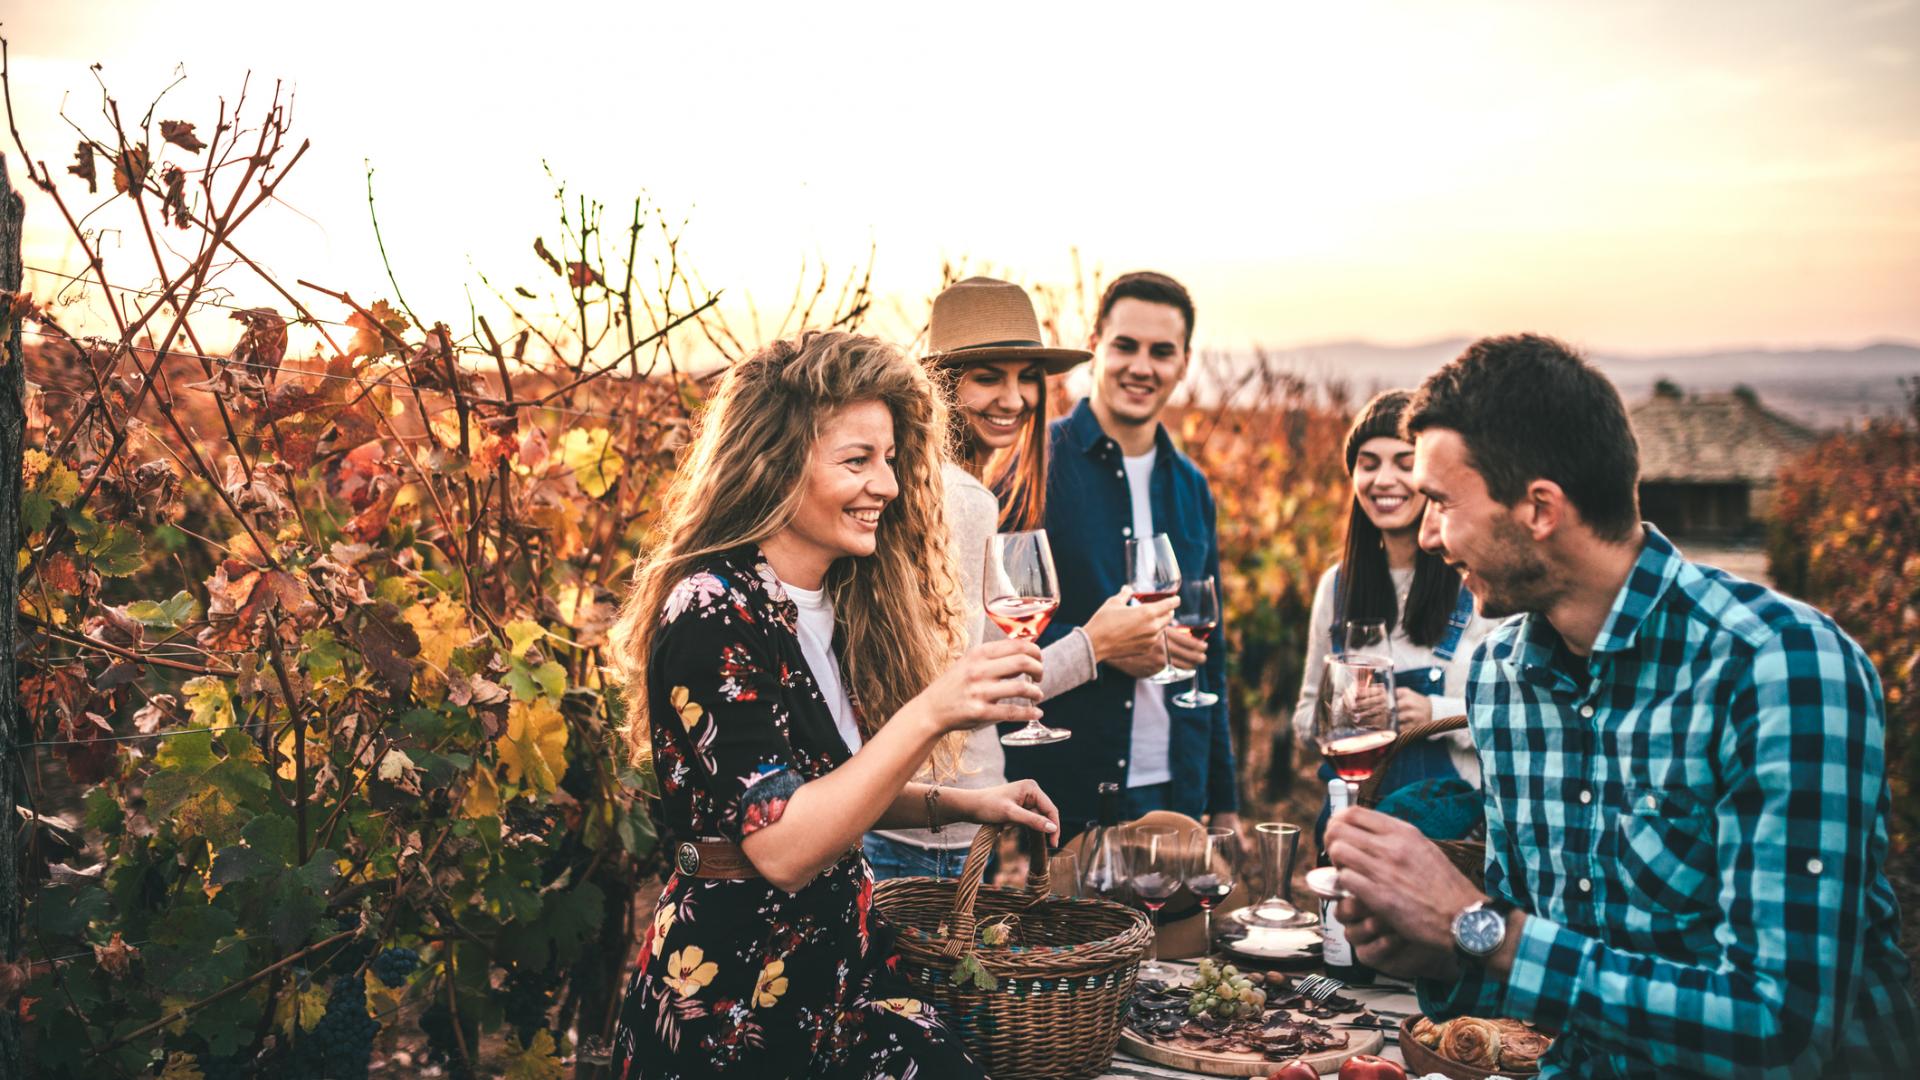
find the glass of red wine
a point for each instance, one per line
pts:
(1212, 865)
(1154, 574)
(1355, 722)
(1020, 594)
(1199, 615)
(1154, 871)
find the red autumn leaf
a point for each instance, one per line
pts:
(580, 275)
(174, 206)
(375, 336)
(540, 249)
(130, 167)
(180, 133)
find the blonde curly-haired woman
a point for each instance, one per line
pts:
(789, 649)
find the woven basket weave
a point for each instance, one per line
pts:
(1064, 980)
(1470, 856)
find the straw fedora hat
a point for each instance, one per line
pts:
(982, 319)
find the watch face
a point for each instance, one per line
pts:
(1479, 931)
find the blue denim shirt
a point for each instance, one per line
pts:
(1089, 520)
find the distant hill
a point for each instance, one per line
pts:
(1821, 387)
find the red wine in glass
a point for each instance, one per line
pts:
(1212, 863)
(1200, 631)
(1354, 755)
(1148, 596)
(1022, 617)
(1199, 613)
(1153, 859)
(1209, 889)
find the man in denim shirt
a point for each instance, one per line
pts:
(1686, 786)
(1114, 475)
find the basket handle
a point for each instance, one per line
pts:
(960, 940)
(1369, 793)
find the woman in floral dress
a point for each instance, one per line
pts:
(790, 655)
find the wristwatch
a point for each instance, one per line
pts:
(1479, 931)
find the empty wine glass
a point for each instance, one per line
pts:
(1154, 573)
(1355, 719)
(1063, 872)
(1212, 866)
(1199, 615)
(1153, 869)
(1021, 590)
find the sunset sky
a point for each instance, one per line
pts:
(1631, 175)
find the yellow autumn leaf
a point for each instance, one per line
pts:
(538, 1060)
(483, 795)
(442, 627)
(302, 1007)
(589, 453)
(32, 464)
(182, 1066)
(534, 747)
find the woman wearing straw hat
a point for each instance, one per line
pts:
(984, 341)
(789, 652)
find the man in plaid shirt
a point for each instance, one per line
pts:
(1685, 780)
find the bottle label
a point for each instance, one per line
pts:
(1335, 950)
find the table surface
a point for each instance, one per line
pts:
(1384, 994)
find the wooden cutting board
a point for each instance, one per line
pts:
(1359, 1041)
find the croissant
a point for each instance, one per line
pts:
(1427, 1032)
(1470, 1040)
(1521, 1052)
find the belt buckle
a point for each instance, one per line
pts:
(688, 858)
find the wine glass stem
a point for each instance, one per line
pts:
(1153, 940)
(1206, 930)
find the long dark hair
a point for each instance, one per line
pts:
(1365, 592)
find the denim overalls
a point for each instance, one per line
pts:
(1427, 759)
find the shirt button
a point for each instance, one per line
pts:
(1586, 711)
(1586, 796)
(1122, 763)
(1120, 473)
(1126, 530)
(1586, 885)
(1129, 705)
(1652, 803)
(1814, 866)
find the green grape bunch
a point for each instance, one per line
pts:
(1225, 993)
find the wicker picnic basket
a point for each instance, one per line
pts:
(1062, 982)
(1470, 856)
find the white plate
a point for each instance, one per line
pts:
(1266, 944)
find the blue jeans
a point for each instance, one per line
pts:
(892, 859)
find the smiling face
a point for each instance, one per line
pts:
(1476, 534)
(1138, 359)
(848, 483)
(1383, 484)
(998, 398)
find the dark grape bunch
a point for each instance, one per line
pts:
(339, 1045)
(393, 966)
(529, 999)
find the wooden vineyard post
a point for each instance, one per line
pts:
(13, 432)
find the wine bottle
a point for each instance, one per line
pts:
(1106, 870)
(1336, 952)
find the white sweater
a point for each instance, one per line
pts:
(973, 515)
(1450, 702)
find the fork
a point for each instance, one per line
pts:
(1319, 987)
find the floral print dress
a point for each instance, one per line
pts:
(739, 978)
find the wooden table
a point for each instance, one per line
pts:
(1384, 994)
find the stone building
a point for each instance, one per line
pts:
(1709, 462)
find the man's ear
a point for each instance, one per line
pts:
(1544, 509)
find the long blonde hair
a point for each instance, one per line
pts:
(897, 611)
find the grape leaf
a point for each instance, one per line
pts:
(534, 746)
(180, 133)
(164, 616)
(589, 453)
(537, 1060)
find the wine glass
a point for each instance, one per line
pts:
(1021, 592)
(1199, 615)
(1355, 721)
(1279, 843)
(1365, 637)
(1153, 869)
(1212, 864)
(1154, 574)
(1063, 872)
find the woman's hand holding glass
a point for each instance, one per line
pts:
(994, 683)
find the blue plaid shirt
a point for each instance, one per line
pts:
(1695, 818)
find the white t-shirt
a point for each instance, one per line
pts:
(816, 644)
(1147, 757)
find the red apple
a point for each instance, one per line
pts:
(1294, 1069)
(1368, 1067)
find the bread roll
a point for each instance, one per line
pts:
(1521, 1051)
(1470, 1040)
(1427, 1032)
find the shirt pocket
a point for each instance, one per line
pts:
(1666, 854)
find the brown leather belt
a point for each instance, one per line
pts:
(713, 859)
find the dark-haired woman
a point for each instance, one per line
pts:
(1386, 578)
